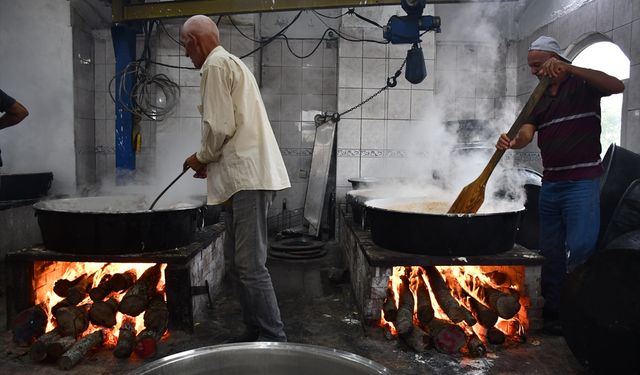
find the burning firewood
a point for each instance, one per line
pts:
(61, 287)
(137, 298)
(29, 324)
(425, 310)
(72, 320)
(495, 336)
(498, 278)
(126, 338)
(485, 316)
(78, 292)
(72, 356)
(475, 347)
(156, 317)
(447, 337)
(103, 313)
(417, 339)
(51, 345)
(404, 320)
(113, 283)
(389, 309)
(504, 302)
(449, 305)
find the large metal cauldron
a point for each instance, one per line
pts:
(601, 306)
(24, 186)
(263, 358)
(441, 234)
(115, 225)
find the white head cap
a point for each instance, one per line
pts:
(548, 44)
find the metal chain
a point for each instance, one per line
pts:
(392, 81)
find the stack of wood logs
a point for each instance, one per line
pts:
(415, 321)
(68, 342)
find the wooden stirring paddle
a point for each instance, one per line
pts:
(471, 197)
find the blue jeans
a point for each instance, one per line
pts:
(245, 255)
(569, 226)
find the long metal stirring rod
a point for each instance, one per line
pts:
(167, 188)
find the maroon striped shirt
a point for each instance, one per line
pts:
(568, 126)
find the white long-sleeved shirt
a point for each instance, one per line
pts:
(238, 144)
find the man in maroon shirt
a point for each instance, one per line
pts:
(567, 120)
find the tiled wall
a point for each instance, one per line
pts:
(294, 90)
(617, 20)
(83, 100)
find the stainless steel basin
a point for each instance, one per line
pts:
(258, 358)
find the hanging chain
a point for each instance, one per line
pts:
(392, 81)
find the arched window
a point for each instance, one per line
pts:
(609, 58)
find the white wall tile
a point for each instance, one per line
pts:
(293, 82)
(311, 106)
(349, 134)
(315, 60)
(290, 134)
(271, 79)
(348, 98)
(189, 100)
(374, 108)
(290, 107)
(350, 72)
(374, 49)
(346, 168)
(422, 104)
(399, 104)
(288, 59)
(374, 73)
(272, 105)
(465, 108)
(272, 54)
(329, 81)
(330, 54)
(312, 80)
(373, 134)
(397, 134)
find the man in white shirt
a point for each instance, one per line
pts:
(241, 160)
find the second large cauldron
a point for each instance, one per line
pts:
(116, 224)
(484, 233)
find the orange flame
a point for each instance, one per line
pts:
(47, 273)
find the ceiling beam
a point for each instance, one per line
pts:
(122, 12)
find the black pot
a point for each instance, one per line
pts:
(621, 167)
(115, 225)
(24, 186)
(601, 305)
(441, 234)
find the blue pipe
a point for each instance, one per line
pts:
(124, 47)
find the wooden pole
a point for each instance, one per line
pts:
(72, 356)
(137, 298)
(448, 304)
(126, 339)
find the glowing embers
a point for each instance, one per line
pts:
(455, 309)
(120, 305)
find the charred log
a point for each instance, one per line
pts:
(505, 303)
(113, 283)
(52, 345)
(447, 338)
(126, 339)
(389, 309)
(136, 300)
(72, 356)
(61, 287)
(485, 316)
(103, 313)
(417, 339)
(72, 320)
(156, 317)
(449, 305)
(29, 324)
(495, 336)
(78, 292)
(424, 308)
(475, 347)
(404, 320)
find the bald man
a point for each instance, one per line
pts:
(243, 166)
(567, 120)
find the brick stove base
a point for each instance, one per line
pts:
(371, 266)
(193, 276)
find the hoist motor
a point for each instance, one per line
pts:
(407, 30)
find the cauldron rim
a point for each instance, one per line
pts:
(375, 205)
(50, 206)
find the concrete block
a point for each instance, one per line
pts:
(604, 16)
(622, 12)
(622, 38)
(634, 52)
